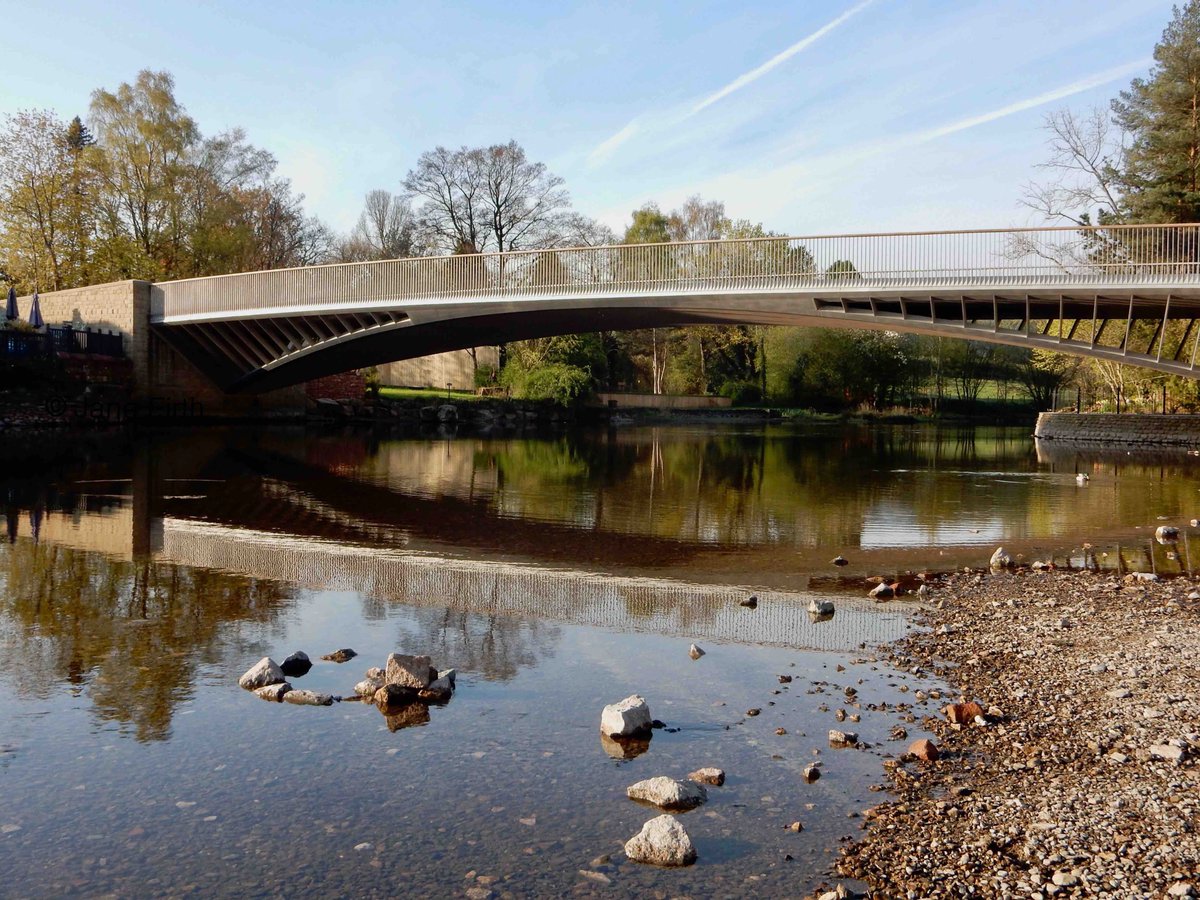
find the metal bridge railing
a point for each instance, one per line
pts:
(1134, 254)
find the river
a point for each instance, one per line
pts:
(144, 572)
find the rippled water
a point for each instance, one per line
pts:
(143, 574)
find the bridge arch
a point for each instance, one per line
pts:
(1079, 291)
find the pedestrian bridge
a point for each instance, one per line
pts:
(1123, 293)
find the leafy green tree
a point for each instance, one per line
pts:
(35, 199)
(146, 139)
(1161, 115)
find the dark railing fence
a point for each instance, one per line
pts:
(59, 339)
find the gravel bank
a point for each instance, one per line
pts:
(1083, 782)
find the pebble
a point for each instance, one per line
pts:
(1025, 811)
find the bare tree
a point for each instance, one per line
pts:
(387, 227)
(487, 198)
(698, 220)
(451, 197)
(1085, 152)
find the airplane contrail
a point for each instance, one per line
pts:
(607, 147)
(778, 59)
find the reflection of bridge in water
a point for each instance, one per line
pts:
(690, 611)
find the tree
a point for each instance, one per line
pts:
(1085, 178)
(487, 198)
(698, 220)
(649, 226)
(969, 365)
(386, 229)
(1161, 113)
(1044, 372)
(146, 139)
(35, 198)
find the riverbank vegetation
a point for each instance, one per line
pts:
(135, 189)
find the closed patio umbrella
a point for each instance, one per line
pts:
(10, 311)
(35, 313)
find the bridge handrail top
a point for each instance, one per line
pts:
(1028, 229)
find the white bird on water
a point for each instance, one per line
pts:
(1082, 478)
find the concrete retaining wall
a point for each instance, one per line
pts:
(1138, 429)
(455, 368)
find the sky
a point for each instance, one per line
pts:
(809, 117)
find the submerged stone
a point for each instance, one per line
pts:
(308, 698)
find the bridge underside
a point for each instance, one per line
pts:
(1156, 328)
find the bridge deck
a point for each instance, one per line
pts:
(1058, 287)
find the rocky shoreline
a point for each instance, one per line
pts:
(1082, 780)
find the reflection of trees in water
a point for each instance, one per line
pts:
(131, 634)
(495, 646)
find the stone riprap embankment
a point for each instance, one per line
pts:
(1082, 776)
(1133, 429)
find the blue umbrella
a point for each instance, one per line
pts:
(35, 313)
(10, 312)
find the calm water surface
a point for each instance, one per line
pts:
(143, 574)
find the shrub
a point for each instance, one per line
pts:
(373, 381)
(742, 393)
(561, 383)
(486, 375)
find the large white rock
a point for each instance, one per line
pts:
(667, 793)
(821, 607)
(1000, 559)
(1166, 534)
(661, 842)
(630, 716)
(408, 671)
(264, 672)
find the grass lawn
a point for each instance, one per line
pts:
(427, 394)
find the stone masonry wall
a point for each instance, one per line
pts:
(159, 372)
(122, 306)
(1139, 429)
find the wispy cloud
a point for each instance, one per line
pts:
(671, 118)
(1070, 90)
(608, 147)
(778, 59)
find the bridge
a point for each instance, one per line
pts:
(1123, 293)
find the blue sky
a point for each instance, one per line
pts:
(811, 117)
